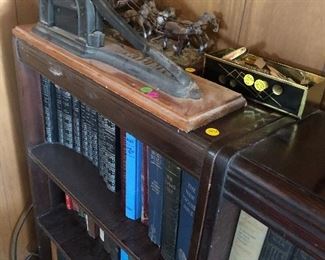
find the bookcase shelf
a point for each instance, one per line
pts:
(65, 229)
(77, 176)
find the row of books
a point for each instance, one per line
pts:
(153, 188)
(255, 241)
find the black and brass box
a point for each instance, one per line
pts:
(287, 93)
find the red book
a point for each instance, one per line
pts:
(144, 186)
(68, 202)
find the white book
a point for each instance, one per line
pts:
(249, 238)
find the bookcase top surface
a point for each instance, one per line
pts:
(184, 114)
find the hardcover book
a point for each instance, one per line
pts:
(76, 125)
(170, 210)
(49, 110)
(189, 192)
(299, 254)
(67, 114)
(133, 177)
(108, 135)
(122, 166)
(276, 247)
(249, 238)
(93, 131)
(144, 186)
(156, 190)
(59, 113)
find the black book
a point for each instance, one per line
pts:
(76, 125)
(93, 132)
(67, 115)
(171, 202)
(276, 247)
(59, 113)
(108, 149)
(49, 110)
(84, 117)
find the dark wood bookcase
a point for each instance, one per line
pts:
(230, 177)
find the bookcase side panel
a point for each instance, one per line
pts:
(45, 194)
(29, 91)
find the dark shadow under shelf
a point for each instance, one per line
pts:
(66, 230)
(75, 175)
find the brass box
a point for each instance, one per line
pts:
(284, 95)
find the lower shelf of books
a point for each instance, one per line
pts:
(80, 179)
(69, 234)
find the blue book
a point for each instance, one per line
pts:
(156, 190)
(189, 192)
(133, 177)
(123, 255)
(276, 247)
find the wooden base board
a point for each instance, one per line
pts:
(184, 114)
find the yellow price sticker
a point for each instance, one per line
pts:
(260, 85)
(249, 80)
(212, 131)
(191, 70)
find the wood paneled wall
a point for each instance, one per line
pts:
(14, 191)
(290, 31)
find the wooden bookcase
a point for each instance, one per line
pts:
(227, 184)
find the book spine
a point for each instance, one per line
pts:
(122, 166)
(124, 255)
(133, 177)
(76, 125)
(144, 186)
(92, 228)
(68, 202)
(84, 129)
(189, 192)
(276, 247)
(301, 255)
(156, 188)
(170, 210)
(107, 152)
(59, 113)
(249, 238)
(110, 246)
(94, 136)
(49, 109)
(67, 119)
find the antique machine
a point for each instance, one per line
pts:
(77, 26)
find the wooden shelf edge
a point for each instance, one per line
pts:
(67, 232)
(78, 177)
